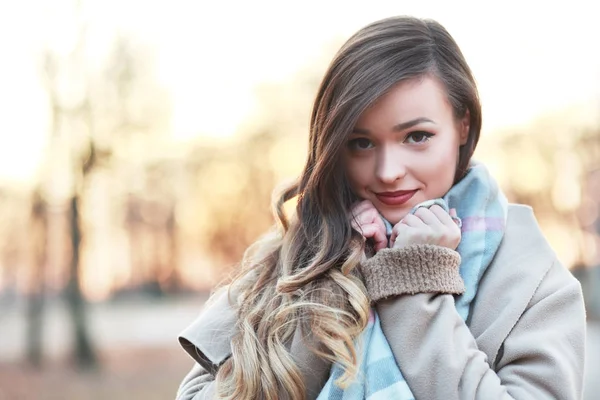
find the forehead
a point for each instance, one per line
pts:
(407, 100)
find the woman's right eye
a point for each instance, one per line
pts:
(360, 144)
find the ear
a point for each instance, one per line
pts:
(463, 128)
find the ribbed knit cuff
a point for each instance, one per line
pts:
(412, 269)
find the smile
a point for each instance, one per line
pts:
(395, 198)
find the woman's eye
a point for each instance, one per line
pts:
(360, 144)
(418, 137)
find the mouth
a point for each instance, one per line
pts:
(395, 198)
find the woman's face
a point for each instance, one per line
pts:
(404, 148)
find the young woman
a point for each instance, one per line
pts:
(403, 272)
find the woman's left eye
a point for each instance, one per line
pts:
(418, 137)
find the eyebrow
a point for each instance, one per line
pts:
(398, 128)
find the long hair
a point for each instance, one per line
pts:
(302, 278)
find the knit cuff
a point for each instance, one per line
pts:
(412, 269)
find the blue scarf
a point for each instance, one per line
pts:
(483, 210)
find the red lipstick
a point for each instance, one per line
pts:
(396, 198)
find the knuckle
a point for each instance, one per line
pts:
(371, 214)
(436, 208)
(421, 211)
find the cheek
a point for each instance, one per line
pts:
(440, 171)
(357, 173)
(358, 182)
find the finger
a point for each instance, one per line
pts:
(443, 216)
(367, 230)
(408, 221)
(381, 240)
(368, 216)
(394, 235)
(397, 231)
(379, 235)
(429, 216)
(364, 213)
(380, 223)
(412, 221)
(374, 232)
(455, 218)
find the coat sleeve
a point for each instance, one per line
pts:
(198, 384)
(541, 358)
(207, 341)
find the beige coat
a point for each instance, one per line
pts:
(524, 338)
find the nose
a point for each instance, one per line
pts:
(390, 165)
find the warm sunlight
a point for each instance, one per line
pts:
(145, 146)
(211, 59)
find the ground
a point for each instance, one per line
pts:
(140, 355)
(144, 373)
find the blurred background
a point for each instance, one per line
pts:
(140, 143)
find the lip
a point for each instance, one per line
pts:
(396, 198)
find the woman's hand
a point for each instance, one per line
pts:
(427, 226)
(366, 220)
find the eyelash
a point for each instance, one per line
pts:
(352, 144)
(426, 136)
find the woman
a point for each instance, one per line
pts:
(403, 273)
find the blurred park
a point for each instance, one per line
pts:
(140, 143)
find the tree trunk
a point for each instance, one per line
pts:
(173, 280)
(35, 324)
(36, 289)
(84, 353)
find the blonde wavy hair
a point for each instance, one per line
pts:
(302, 277)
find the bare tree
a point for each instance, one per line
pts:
(93, 108)
(36, 284)
(63, 116)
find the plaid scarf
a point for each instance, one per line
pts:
(483, 210)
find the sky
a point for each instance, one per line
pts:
(529, 57)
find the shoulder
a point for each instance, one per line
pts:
(208, 338)
(523, 238)
(524, 257)
(527, 262)
(524, 270)
(525, 251)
